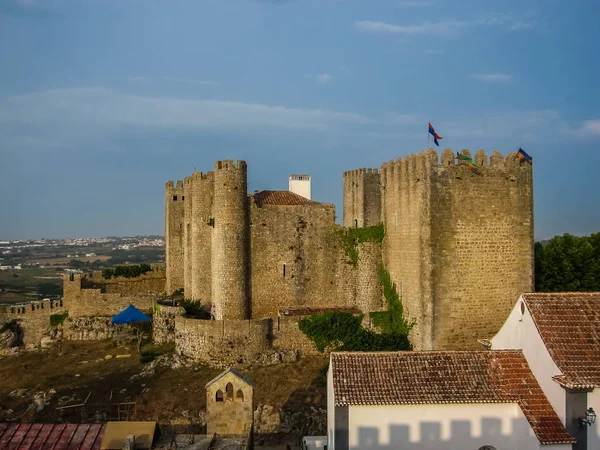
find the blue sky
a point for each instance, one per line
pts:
(102, 101)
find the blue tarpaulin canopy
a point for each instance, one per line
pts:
(129, 315)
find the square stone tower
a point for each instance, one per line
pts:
(230, 405)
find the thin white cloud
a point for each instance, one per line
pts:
(590, 128)
(447, 27)
(325, 78)
(442, 27)
(492, 77)
(189, 80)
(413, 4)
(98, 108)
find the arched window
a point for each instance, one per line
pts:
(487, 447)
(229, 391)
(239, 396)
(219, 396)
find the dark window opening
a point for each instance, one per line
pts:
(174, 198)
(355, 223)
(183, 197)
(219, 396)
(229, 391)
(239, 396)
(284, 271)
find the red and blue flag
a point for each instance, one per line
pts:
(435, 135)
(523, 155)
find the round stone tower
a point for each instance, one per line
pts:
(230, 242)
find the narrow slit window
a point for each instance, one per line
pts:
(229, 391)
(284, 271)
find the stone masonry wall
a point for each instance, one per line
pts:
(92, 302)
(34, 318)
(293, 253)
(150, 283)
(163, 323)
(458, 244)
(174, 235)
(362, 198)
(483, 236)
(223, 343)
(202, 188)
(230, 242)
(406, 250)
(234, 415)
(287, 336)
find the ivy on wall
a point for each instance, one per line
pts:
(343, 331)
(126, 271)
(392, 320)
(58, 319)
(351, 237)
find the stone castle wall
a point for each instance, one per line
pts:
(163, 323)
(223, 342)
(362, 198)
(293, 257)
(174, 235)
(230, 242)
(33, 318)
(149, 283)
(82, 302)
(459, 244)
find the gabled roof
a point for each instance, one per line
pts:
(408, 378)
(569, 325)
(233, 371)
(282, 198)
(30, 436)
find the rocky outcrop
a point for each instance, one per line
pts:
(11, 335)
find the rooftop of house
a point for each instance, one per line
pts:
(282, 198)
(569, 325)
(233, 371)
(27, 436)
(443, 377)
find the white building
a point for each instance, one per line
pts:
(439, 401)
(300, 184)
(559, 334)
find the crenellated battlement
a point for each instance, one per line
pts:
(173, 185)
(448, 160)
(360, 172)
(203, 176)
(228, 164)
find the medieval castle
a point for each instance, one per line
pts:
(459, 244)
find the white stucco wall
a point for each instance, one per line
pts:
(519, 332)
(442, 427)
(594, 430)
(330, 409)
(300, 187)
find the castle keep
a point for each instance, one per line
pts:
(458, 243)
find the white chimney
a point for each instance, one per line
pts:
(300, 184)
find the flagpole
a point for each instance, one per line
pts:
(427, 148)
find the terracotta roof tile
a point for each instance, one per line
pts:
(280, 198)
(405, 378)
(26, 436)
(569, 325)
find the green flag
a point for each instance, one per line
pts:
(468, 159)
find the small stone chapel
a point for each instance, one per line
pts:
(230, 405)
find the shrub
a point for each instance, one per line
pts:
(195, 309)
(127, 271)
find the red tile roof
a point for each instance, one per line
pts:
(280, 198)
(37, 436)
(569, 325)
(406, 378)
